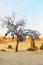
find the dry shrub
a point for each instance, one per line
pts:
(3, 50)
(9, 47)
(32, 49)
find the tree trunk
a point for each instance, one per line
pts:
(17, 44)
(32, 43)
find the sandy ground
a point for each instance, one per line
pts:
(21, 58)
(21, 46)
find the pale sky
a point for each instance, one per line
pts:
(31, 9)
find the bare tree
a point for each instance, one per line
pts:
(14, 29)
(18, 30)
(34, 36)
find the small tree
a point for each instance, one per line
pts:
(35, 36)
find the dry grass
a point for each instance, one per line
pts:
(9, 40)
(4, 42)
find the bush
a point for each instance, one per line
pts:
(3, 50)
(29, 49)
(33, 49)
(41, 47)
(9, 47)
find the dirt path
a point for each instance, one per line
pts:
(21, 58)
